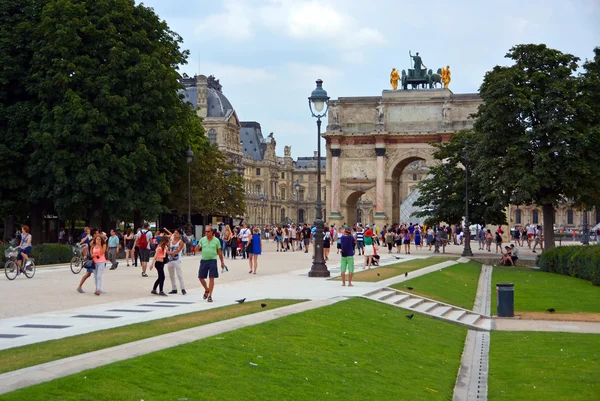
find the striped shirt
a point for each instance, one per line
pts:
(360, 236)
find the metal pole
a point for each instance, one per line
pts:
(318, 269)
(467, 251)
(586, 228)
(189, 196)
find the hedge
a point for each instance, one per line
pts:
(46, 254)
(576, 261)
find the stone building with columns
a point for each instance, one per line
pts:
(278, 189)
(378, 149)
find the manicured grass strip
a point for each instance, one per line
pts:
(536, 291)
(455, 285)
(394, 270)
(353, 350)
(35, 354)
(533, 366)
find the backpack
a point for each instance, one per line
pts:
(143, 241)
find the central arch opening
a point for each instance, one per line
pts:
(352, 207)
(405, 177)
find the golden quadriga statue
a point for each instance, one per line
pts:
(394, 78)
(446, 76)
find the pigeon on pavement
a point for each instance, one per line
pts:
(240, 301)
(406, 274)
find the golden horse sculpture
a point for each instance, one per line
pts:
(446, 76)
(394, 78)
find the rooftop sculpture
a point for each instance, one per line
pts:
(419, 76)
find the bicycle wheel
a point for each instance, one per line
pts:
(76, 264)
(30, 269)
(10, 270)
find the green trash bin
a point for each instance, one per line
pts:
(505, 297)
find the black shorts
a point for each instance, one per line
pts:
(208, 268)
(144, 255)
(306, 241)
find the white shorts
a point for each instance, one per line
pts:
(369, 251)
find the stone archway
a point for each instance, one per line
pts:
(351, 206)
(401, 174)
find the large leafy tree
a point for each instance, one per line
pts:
(215, 187)
(532, 148)
(442, 193)
(110, 130)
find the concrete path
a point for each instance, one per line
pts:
(18, 379)
(545, 325)
(471, 382)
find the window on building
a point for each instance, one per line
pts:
(570, 216)
(414, 177)
(301, 216)
(283, 174)
(258, 188)
(518, 216)
(257, 171)
(535, 217)
(212, 136)
(283, 216)
(282, 192)
(301, 194)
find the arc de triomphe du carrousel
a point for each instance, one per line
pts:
(374, 143)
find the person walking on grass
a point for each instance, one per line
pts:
(159, 263)
(143, 239)
(174, 253)
(254, 249)
(113, 249)
(347, 263)
(211, 248)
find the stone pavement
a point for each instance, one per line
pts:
(545, 325)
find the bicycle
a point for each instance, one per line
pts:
(11, 269)
(78, 259)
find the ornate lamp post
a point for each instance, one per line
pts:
(262, 206)
(297, 185)
(318, 102)
(467, 251)
(586, 228)
(189, 158)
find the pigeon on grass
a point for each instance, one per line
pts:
(263, 305)
(240, 301)
(410, 316)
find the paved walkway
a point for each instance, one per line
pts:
(545, 325)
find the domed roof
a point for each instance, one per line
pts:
(218, 105)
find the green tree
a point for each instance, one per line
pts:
(215, 188)
(442, 192)
(110, 129)
(532, 148)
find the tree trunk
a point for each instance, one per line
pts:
(137, 219)
(36, 220)
(548, 212)
(204, 223)
(9, 227)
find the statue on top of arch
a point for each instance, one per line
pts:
(419, 77)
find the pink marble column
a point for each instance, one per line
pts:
(335, 181)
(380, 188)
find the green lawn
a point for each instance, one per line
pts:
(455, 285)
(533, 366)
(394, 270)
(35, 354)
(353, 350)
(536, 291)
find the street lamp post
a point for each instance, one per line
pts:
(297, 185)
(320, 102)
(467, 251)
(586, 228)
(189, 158)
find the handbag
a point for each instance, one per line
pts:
(89, 264)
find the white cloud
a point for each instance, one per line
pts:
(233, 74)
(234, 23)
(309, 72)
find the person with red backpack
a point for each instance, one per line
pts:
(142, 240)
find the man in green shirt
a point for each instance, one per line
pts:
(211, 247)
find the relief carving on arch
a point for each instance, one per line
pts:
(359, 153)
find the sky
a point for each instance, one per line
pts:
(268, 54)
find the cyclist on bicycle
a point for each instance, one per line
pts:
(86, 238)
(24, 247)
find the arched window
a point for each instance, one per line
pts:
(301, 216)
(518, 216)
(414, 177)
(212, 136)
(535, 216)
(570, 216)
